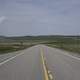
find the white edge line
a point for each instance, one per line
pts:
(10, 59)
(67, 54)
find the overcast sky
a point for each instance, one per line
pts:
(39, 17)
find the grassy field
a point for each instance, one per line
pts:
(68, 47)
(69, 44)
(12, 48)
(9, 44)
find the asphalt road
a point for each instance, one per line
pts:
(62, 65)
(28, 65)
(4, 57)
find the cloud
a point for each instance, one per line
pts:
(41, 17)
(2, 18)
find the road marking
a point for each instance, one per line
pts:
(50, 76)
(10, 59)
(44, 67)
(47, 73)
(66, 53)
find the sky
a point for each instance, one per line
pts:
(39, 17)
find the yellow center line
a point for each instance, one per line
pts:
(44, 66)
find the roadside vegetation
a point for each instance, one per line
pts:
(12, 48)
(73, 45)
(10, 44)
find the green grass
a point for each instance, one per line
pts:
(12, 48)
(69, 43)
(72, 48)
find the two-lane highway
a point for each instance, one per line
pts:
(27, 66)
(38, 62)
(62, 65)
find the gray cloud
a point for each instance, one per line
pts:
(37, 17)
(2, 18)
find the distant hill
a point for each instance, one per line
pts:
(45, 37)
(2, 37)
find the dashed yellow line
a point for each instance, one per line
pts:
(44, 67)
(47, 73)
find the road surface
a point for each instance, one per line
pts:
(29, 65)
